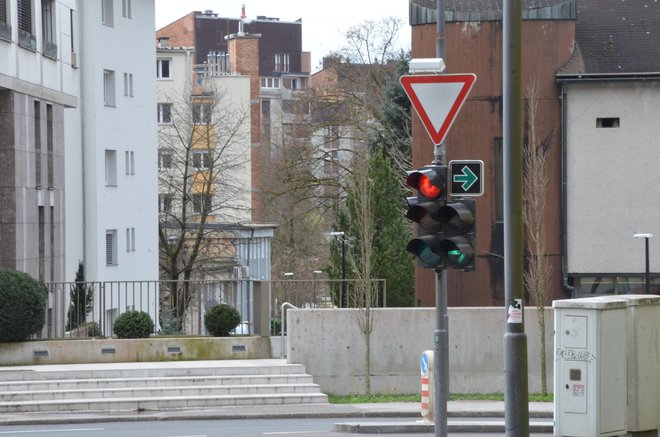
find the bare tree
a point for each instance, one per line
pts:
(534, 198)
(204, 169)
(364, 296)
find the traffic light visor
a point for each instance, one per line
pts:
(429, 181)
(426, 256)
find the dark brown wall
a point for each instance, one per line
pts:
(477, 48)
(276, 37)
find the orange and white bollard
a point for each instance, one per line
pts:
(426, 366)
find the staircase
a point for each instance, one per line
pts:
(155, 386)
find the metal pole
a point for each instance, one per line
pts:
(647, 279)
(441, 357)
(441, 333)
(516, 403)
(343, 299)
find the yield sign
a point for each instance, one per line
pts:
(437, 99)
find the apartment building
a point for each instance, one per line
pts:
(38, 80)
(266, 49)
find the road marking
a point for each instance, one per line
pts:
(295, 432)
(52, 430)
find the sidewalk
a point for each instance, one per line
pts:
(409, 412)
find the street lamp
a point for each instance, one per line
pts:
(343, 299)
(647, 278)
(287, 275)
(316, 274)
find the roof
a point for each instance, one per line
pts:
(615, 37)
(423, 11)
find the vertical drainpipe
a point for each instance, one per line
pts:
(564, 199)
(83, 134)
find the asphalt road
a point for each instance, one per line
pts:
(206, 428)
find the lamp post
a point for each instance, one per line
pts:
(316, 274)
(647, 277)
(343, 299)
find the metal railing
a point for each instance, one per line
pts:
(178, 307)
(175, 307)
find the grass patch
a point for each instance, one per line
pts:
(364, 399)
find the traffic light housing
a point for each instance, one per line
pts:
(446, 230)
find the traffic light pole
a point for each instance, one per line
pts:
(516, 403)
(441, 333)
(441, 355)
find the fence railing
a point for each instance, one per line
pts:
(82, 309)
(89, 309)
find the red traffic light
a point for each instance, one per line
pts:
(429, 181)
(427, 188)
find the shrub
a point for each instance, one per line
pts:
(93, 329)
(133, 324)
(275, 327)
(221, 320)
(22, 305)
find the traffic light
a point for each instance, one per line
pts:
(459, 239)
(430, 183)
(446, 229)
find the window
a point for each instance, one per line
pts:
(107, 12)
(202, 204)
(128, 84)
(165, 113)
(111, 247)
(165, 203)
(130, 163)
(109, 87)
(26, 36)
(163, 68)
(608, 122)
(202, 112)
(498, 160)
(110, 168)
(49, 146)
(270, 82)
(281, 61)
(48, 28)
(5, 27)
(126, 9)
(331, 136)
(201, 159)
(130, 239)
(37, 143)
(164, 158)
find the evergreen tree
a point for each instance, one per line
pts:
(81, 296)
(392, 262)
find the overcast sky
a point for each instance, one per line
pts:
(323, 22)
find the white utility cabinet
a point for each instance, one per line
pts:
(643, 352)
(590, 367)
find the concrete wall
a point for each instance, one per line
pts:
(112, 350)
(329, 344)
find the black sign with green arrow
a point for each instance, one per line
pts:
(466, 178)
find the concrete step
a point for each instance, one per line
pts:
(109, 383)
(128, 370)
(159, 404)
(152, 392)
(155, 386)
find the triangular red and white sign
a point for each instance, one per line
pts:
(437, 99)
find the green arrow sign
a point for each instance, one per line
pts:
(467, 178)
